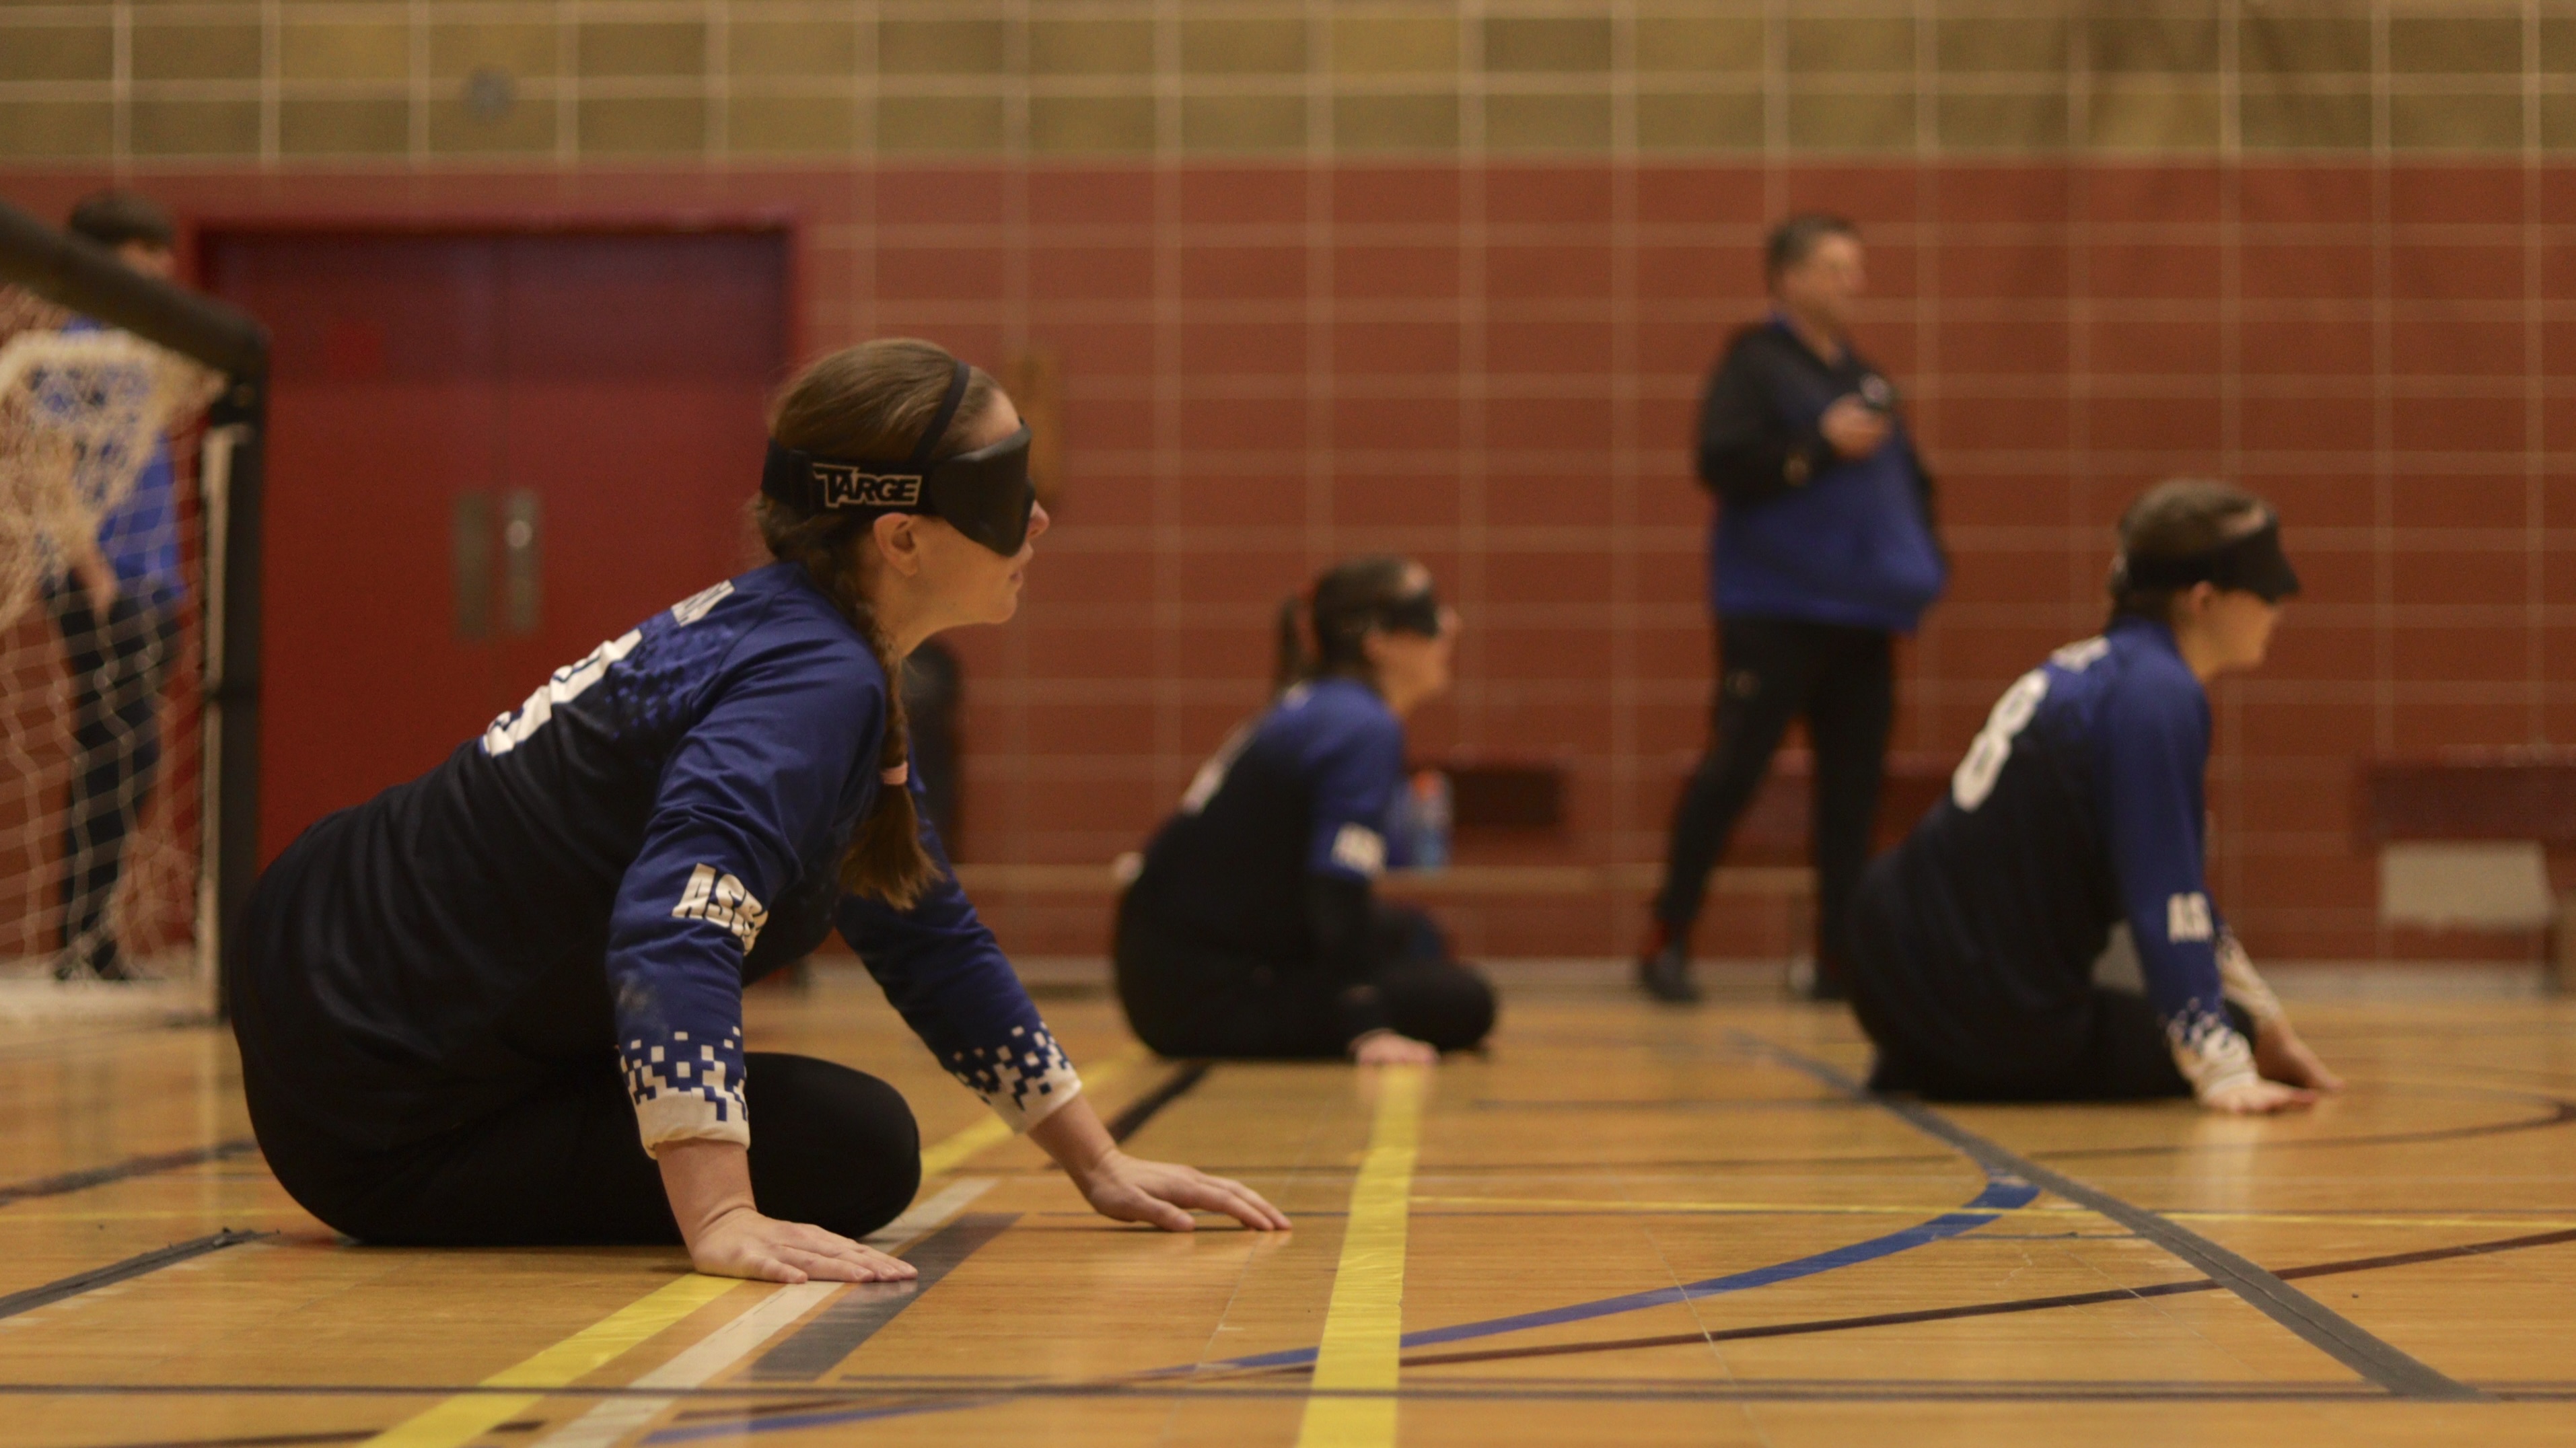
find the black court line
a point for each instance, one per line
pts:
(905, 1396)
(1141, 1110)
(2325, 1329)
(1981, 1309)
(96, 1277)
(852, 1319)
(74, 1181)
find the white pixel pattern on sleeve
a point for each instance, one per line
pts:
(1024, 1081)
(2211, 1054)
(687, 1091)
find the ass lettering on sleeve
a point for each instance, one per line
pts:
(2187, 918)
(721, 899)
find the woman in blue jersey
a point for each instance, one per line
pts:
(1251, 929)
(2078, 808)
(502, 1003)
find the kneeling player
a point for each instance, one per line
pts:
(502, 1004)
(2079, 807)
(1252, 930)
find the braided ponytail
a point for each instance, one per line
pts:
(872, 400)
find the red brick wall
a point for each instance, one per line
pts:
(1494, 369)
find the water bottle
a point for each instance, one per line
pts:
(1428, 820)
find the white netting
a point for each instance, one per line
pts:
(100, 765)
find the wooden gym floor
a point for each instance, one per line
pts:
(1626, 1225)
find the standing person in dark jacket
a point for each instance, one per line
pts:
(1823, 552)
(117, 606)
(1252, 929)
(501, 1005)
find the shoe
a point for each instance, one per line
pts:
(94, 959)
(1665, 970)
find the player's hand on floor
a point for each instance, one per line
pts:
(2258, 1098)
(743, 1243)
(1386, 1048)
(2281, 1056)
(1126, 1189)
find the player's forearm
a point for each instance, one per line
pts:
(1073, 1136)
(706, 1181)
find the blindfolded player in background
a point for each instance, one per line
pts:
(460, 1003)
(2078, 808)
(1252, 929)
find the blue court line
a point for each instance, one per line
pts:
(2003, 1193)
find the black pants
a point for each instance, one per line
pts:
(117, 664)
(1185, 1001)
(2122, 1055)
(1769, 672)
(2114, 1050)
(830, 1146)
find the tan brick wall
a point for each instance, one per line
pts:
(290, 82)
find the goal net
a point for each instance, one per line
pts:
(103, 602)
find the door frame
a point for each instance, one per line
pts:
(202, 231)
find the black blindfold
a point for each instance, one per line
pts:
(2252, 564)
(984, 494)
(1415, 614)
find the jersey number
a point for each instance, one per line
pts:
(1975, 777)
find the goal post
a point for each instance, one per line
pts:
(83, 278)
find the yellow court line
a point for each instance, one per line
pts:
(953, 1151)
(1364, 1325)
(2537, 1224)
(462, 1419)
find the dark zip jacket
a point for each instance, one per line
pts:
(1804, 533)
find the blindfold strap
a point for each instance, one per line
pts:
(789, 475)
(939, 421)
(2254, 563)
(1417, 614)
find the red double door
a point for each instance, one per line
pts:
(486, 454)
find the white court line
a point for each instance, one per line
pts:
(613, 1420)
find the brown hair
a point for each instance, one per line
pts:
(1347, 601)
(113, 218)
(1795, 239)
(868, 401)
(2176, 519)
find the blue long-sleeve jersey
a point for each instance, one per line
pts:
(2078, 807)
(1300, 792)
(604, 868)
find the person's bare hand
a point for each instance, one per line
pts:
(2281, 1056)
(743, 1243)
(2258, 1098)
(1126, 1189)
(1386, 1048)
(96, 579)
(1853, 429)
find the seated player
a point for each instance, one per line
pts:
(2079, 807)
(502, 1003)
(1251, 930)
